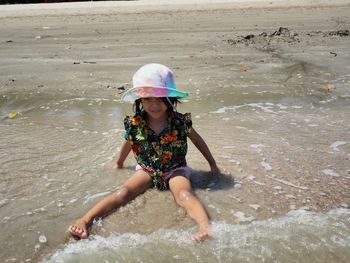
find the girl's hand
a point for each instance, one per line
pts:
(118, 165)
(215, 172)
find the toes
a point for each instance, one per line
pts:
(84, 235)
(200, 237)
(76, 231)
(71, 229)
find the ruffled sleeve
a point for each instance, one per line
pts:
(188, 122)
(127, 126)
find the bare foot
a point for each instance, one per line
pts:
(202, 234)
(78, 229)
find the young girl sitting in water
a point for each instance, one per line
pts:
(157, 135)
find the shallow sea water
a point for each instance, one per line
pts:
(56, 157)
(278, 126)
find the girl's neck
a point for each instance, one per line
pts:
(158, 124)
(161, 119)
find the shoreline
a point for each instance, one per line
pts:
(120, 7)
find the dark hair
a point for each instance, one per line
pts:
(174, 101)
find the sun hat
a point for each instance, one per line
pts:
(153, 80)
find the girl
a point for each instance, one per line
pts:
(157, 135)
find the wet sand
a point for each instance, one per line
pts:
(230, 57)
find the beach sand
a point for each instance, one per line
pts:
(228, 55)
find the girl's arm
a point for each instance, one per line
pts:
(203, 148)
(124, 152)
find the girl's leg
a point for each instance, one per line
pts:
(181, 188)
(137, 184)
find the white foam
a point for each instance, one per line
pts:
(266, 165)
(42, 239)
(234, 161)
(336, 144)
(88, 198)
(266, 107)
(257, 147)
(228, 147)
(242, 217)
(330, 172)
(323, 234)
(222, 110)
(255, 207)
(3, 202)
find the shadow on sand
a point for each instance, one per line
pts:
(204, 180)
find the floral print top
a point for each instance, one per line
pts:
(159, 153)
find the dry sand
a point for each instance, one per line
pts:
(108, 7)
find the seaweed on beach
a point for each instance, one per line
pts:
(283, 35)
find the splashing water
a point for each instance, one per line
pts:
(299, 236)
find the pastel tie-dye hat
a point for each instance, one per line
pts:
(153, 80)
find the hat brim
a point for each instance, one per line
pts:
(145, 92)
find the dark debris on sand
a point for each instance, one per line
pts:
(283, 35)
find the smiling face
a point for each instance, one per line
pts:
(155, 107)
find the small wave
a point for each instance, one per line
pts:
(265, 107)
(300, 236)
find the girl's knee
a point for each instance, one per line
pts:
(183, 197)
(123, 194)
